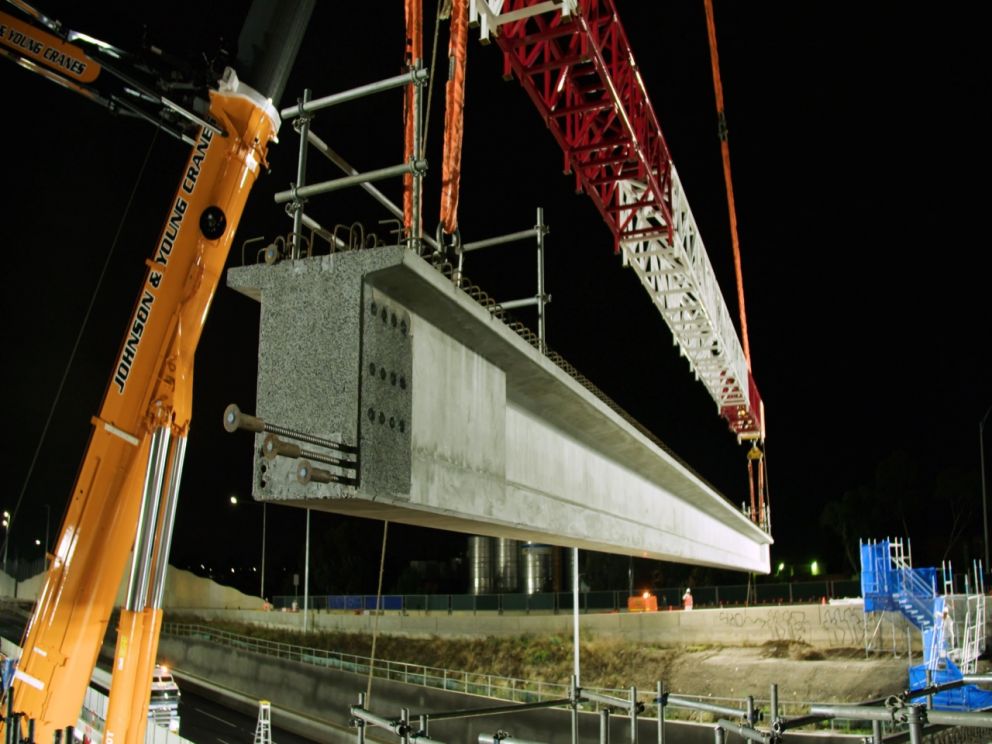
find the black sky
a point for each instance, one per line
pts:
(857, 142)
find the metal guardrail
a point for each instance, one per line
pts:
(472, 683)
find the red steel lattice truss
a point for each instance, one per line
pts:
(575, 62)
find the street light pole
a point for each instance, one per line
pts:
(234, 501)
(985, 509)
(6, 536)
(48, 517)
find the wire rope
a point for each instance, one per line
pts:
(79, 337)
(378, 610)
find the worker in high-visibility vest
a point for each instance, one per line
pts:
(687, 599)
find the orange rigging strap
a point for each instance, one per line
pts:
(725, 150)
(414, 12)
(454, 116)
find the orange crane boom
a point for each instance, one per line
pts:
(130, 473)
(124, 498)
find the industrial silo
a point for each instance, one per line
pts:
(507, 564)
(480, 565)
(537, 567)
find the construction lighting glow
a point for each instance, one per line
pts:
(234, 499)
(646, 595)
(781, 566)
(814, 568)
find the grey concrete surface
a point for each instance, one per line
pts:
(462, 424)
(820, 626)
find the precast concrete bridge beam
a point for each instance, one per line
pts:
(388, 392)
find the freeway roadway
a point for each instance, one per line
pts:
(205, 721)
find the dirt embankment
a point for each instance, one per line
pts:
(802, 673)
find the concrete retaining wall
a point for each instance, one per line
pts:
(825, 626)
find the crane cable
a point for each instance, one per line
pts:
(378, 611)
(725, 150)
(443, 12)
(83, 325)
(454, 116)
(756, 465)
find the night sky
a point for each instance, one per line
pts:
(857, 144)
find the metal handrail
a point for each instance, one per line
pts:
(488, 685)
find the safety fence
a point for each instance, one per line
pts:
(669, 598)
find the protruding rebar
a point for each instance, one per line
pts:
(273, 447)
(235, 419)
(307, 473)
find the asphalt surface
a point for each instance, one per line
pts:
(207, 722)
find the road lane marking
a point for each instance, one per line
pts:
(216, 718)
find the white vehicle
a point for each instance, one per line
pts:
(163, 706)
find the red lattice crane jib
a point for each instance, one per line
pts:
(579, 71)
(575, 62)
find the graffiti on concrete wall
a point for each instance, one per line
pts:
(841, 626)
(775, 625)
(845, 625)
